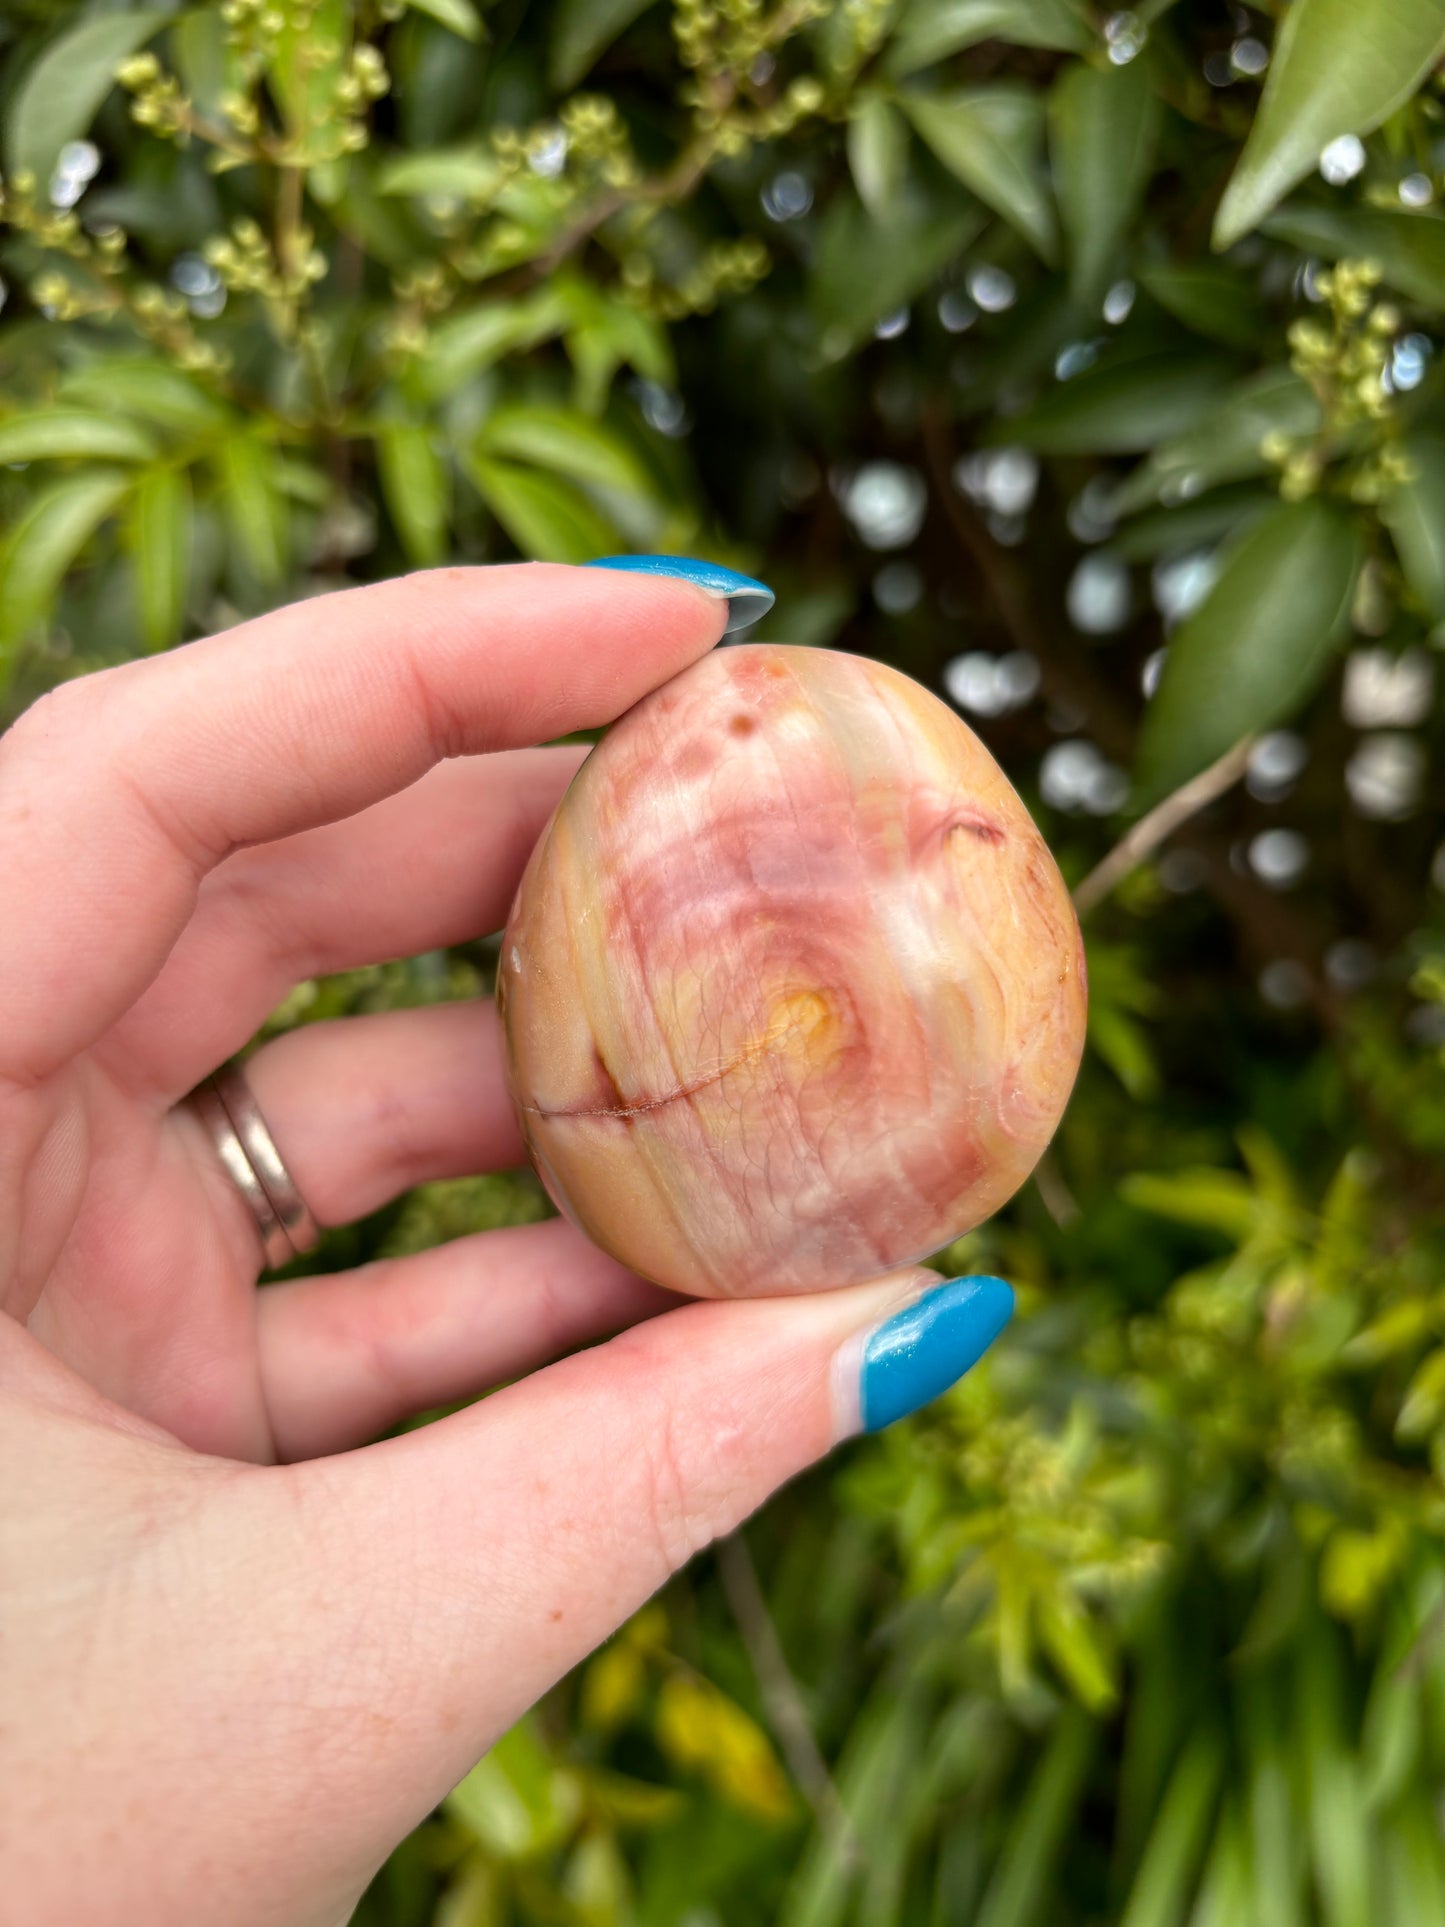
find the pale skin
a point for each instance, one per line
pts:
(243, 1649)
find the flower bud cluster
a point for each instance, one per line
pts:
(727, 268)
(157, 102)
(246, 264)
(1345, 358)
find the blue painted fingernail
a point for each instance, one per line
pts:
(929, 1345)
(746, 599)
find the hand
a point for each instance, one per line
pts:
(235, 1671)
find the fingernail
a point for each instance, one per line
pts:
(746, 599)
(929, 1345)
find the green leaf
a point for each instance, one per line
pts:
(864, 269)
(582, 29)
(572, 444)
(252, 510)
(1210, 298)
(1202, 524)
(515, 1801)
(55, 433)
(460, 16)
(1338, 1821)
(204, 59)
(1020, 1880)
(158, 393)
(1227, 445)
(58, 97)
(1121, 407)
(877, 153)
(448, 173)
(1166, 1874)
(1410, 247)
(933, 29)
(1415, 517)
(1075, 1644)
(305, 63)
(546, 517)
(160, 540)
(1338, 68)
(1257, 645)
(463, 345)
(1103, 128)
(40, 546)
(992, 139)
(1226, 1896)
(415, 487)
(1222, 1201)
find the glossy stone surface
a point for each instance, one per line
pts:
(792, 989)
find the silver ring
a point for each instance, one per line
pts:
(233, 1121)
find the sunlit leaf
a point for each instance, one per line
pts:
(415, 487)
(572, 444)
(160, 541)
(462, 345)
(992, 139)
(516, 1801)
(40, 546)
(57, 433)
(460, 16)
(307, 54)
(448, 173)
(545, 516)
(582, 29)
(933, 29)
(877, 153)
(1338, 68)
(1103, 127)
(1258, 643)
(57, 99)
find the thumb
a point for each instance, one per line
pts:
(481, 1558)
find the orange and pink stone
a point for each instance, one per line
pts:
(792, 988)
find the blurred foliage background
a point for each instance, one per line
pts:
(1085, 365)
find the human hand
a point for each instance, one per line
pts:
(213, 1635)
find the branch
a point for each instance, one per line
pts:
(1160, 823)
(781, 1695)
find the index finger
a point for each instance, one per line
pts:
(119, 791)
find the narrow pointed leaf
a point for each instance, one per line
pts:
(1339, 67)
(582, 29)
(252, 509)
(570, 443)
(1256, 646)
(991, 139)
(1415, 517)
(933, 29)
(877, 154)
(414, 485)
(1121, 407)
(151, 390)
(460, 16)
(545, 516)
(865, 269)
(160, 540)
(1212, 299)
(1020, 1880)
(40, 546)
(1409, 246)
(56, 433)
(1167, 1872)
(1227, 446)
(1103, 127)
(58, 97)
